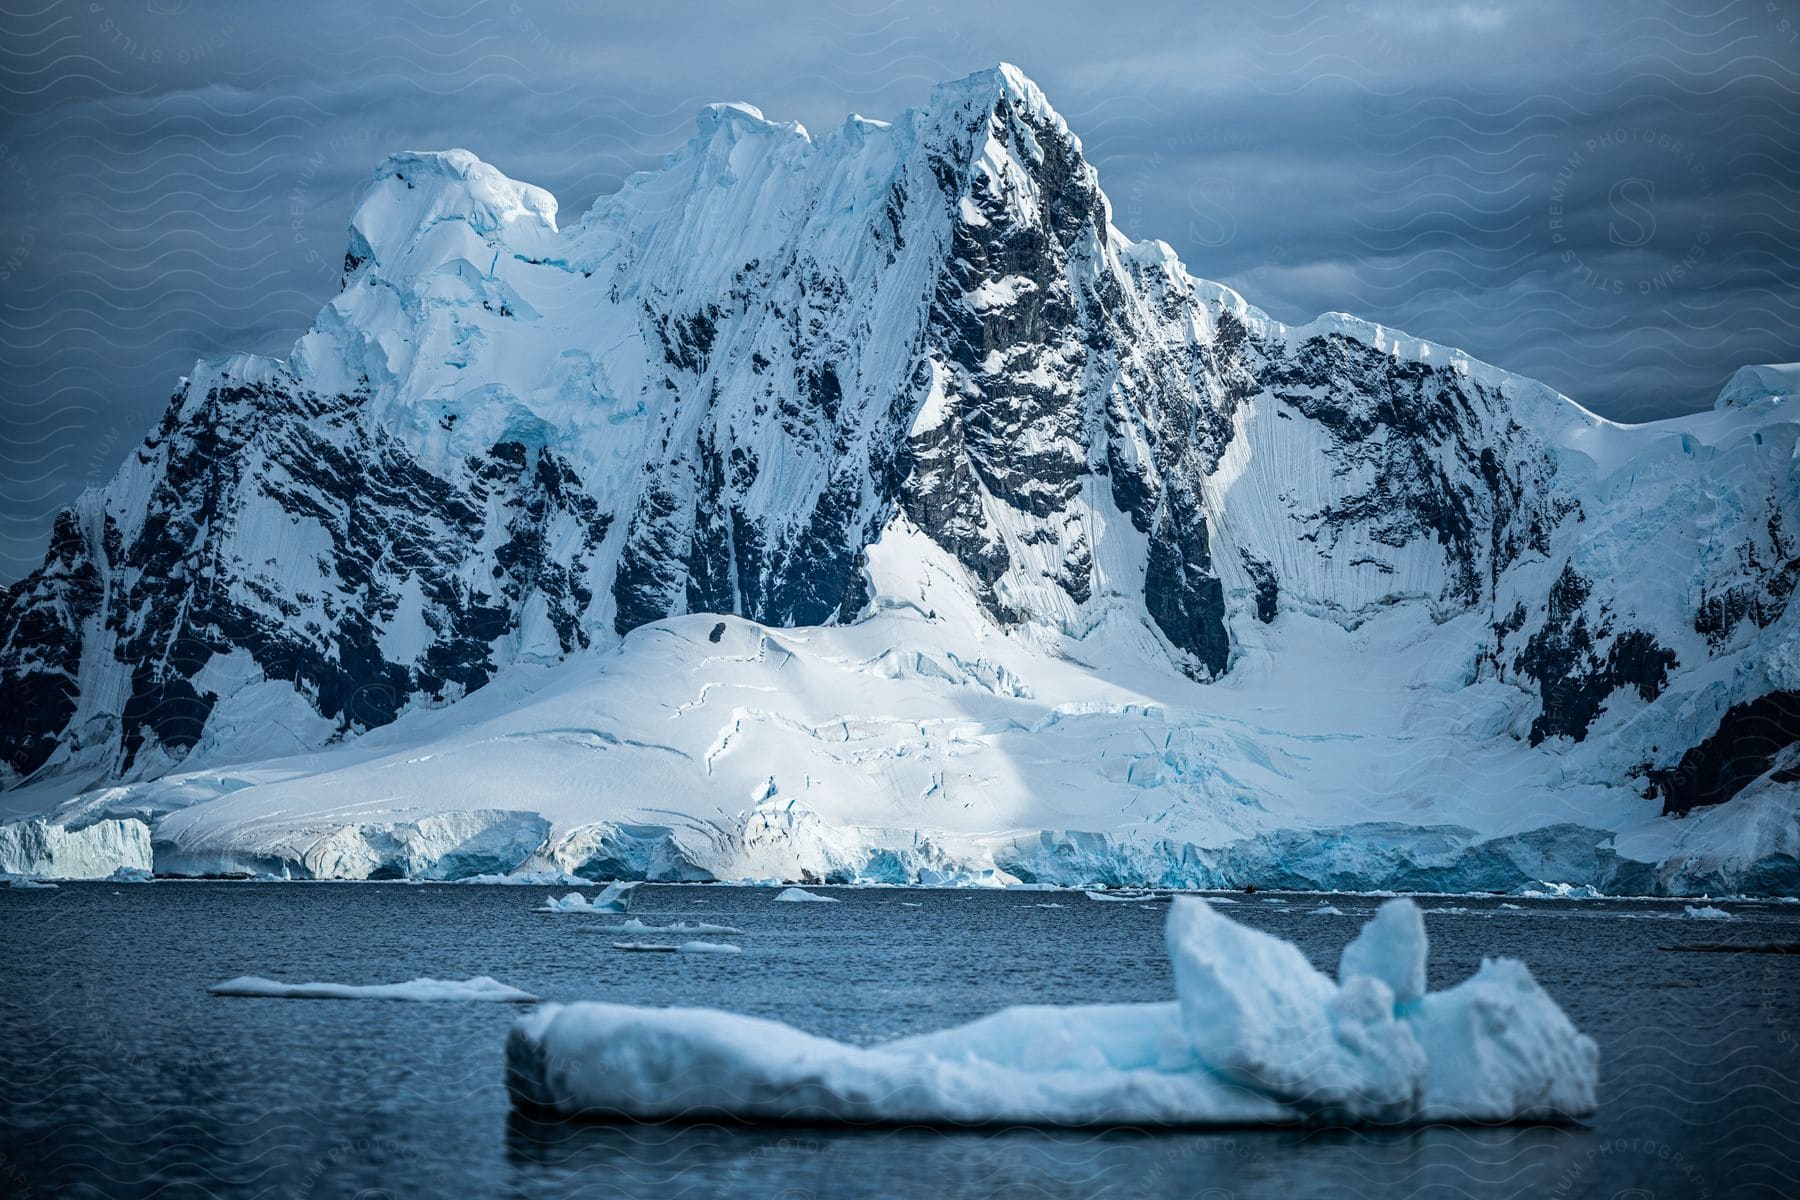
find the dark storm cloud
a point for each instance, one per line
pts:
(1600, 196)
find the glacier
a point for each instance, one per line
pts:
(868, 508)
(1255, 1036)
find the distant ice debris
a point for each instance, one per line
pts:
(131, 875)
(1325, 910)
(1124, 897)
(526, 879)
(636, 926)
(1562, 891)
(481, 987)
(986, 877)
(801, 896)
(615, 899)
(1255, 1035)
(1708, 913)
(22, 882)
(911, 904)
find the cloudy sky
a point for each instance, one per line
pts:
(1600, 195)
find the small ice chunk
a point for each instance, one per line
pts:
(23, 882)
(800, 895)
(910, 904)
(125, 874)
(710, 948)
(481, 987)
(1707, 912)
(616, 898)
(1325, 910)
(1391, 948)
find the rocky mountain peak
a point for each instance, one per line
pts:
(506, 443)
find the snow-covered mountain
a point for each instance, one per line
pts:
(1038, 555)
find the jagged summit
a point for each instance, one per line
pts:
(901, 394)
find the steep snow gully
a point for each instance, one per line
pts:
(868, 507)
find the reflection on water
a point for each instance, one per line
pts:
(572, 1158)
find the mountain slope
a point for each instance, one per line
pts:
(505, 446)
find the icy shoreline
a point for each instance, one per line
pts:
(1565, 861)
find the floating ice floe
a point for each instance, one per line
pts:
(25, 881)
(124, 874)
(678, 947)
(801, 895)
(481, 987)
(615, 899)
(1255, 1035)
(1708, 913)
(1325, 910)
(636, 926)
(1125, 897)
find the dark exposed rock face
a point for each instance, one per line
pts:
(1749, 739)
(1769, 567)
(43, 623)
(1574, 679)
(1435, 448)
(234, 472)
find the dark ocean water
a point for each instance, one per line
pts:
(121, 1076)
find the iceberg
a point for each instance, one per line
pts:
(800, 895)
(1255, 1035)
(481, 987)
(616, 898)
